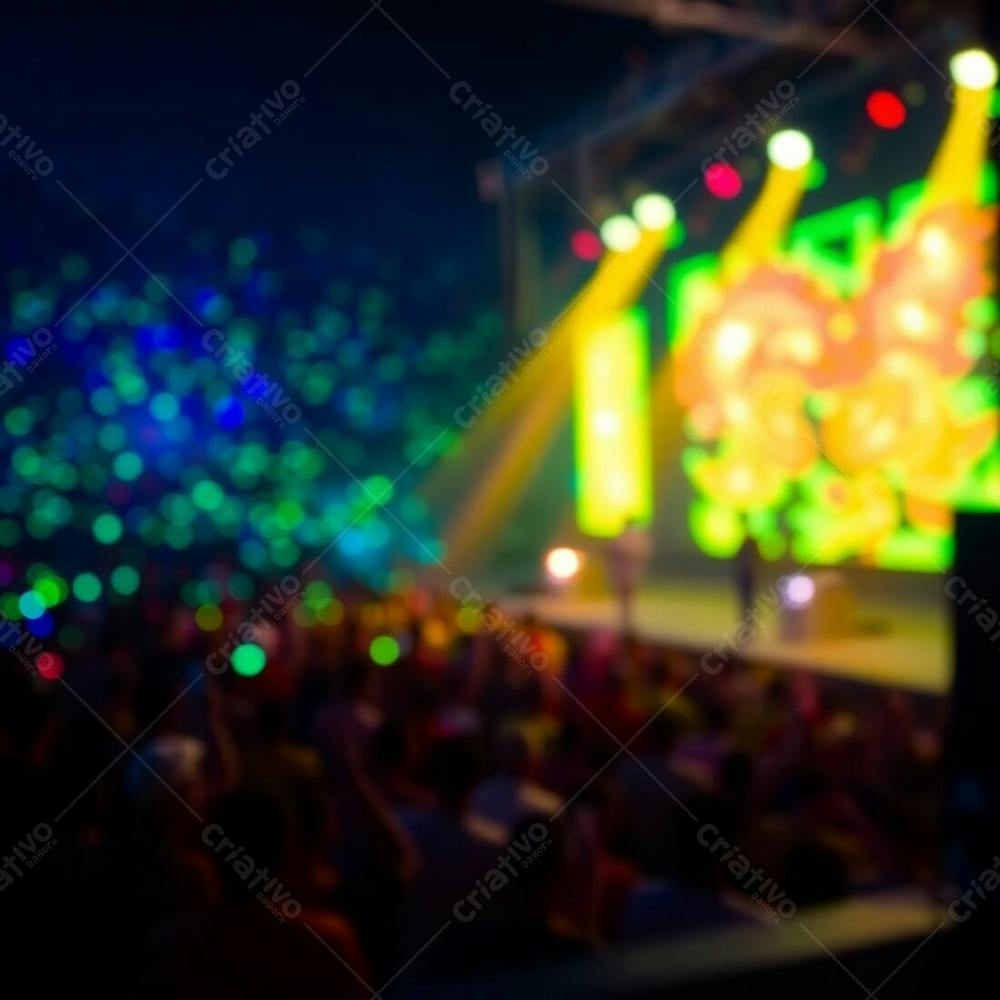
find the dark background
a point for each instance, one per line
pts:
(130, 104)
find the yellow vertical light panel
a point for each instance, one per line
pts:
(611, 422)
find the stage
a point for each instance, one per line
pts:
(900, 642)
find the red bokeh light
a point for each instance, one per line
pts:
(50, 666)
(885, 109)
(586, 245)
(723, 180)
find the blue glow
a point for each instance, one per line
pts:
(229, 413)
(31, 604)
(43, 626)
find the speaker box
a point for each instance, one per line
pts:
(972, 802)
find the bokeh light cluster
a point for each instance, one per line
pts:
(136, 456)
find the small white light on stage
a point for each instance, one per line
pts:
(620, 233)
(562, 564)
(789, 149)
(973, 69)
(654, 211)
(798, 590)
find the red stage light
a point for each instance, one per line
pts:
(723, 180)
(885, 109)
(586, 245)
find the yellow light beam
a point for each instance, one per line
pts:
(497, 490)
(616, 282)
(533, 405)
(760, 232)
(957, 166)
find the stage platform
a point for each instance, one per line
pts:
(903, 643)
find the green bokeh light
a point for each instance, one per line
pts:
(249, 659)
(125, 579)
(164, 406)
(207, 495)
(107, 529)
(384, 650)
(87, 587)
(127, 465)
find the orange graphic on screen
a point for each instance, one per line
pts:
(849, 412)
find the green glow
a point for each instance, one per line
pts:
(817, 175)
(240, 586)
(249, 660)
(208, 592)
(983, 312)
(318, 594)
(10, 606)
(112, 437)
(178, 536)
(289, 514)
(772, 546)
(127, 465)
(611, 422)
(104, 401)
(688, 282)
(26, 462)
(107, 529)
(717, 530)
(912, 551)
(317, 389)
(52, 590)
(125, 579)
(676, 235)
(242, 252)
(86, 587)
(384, 650)
(18, 421)
(379, 489)
(833, 244)
(207, 495)
(164, 406)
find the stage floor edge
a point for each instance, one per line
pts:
(904, 645)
